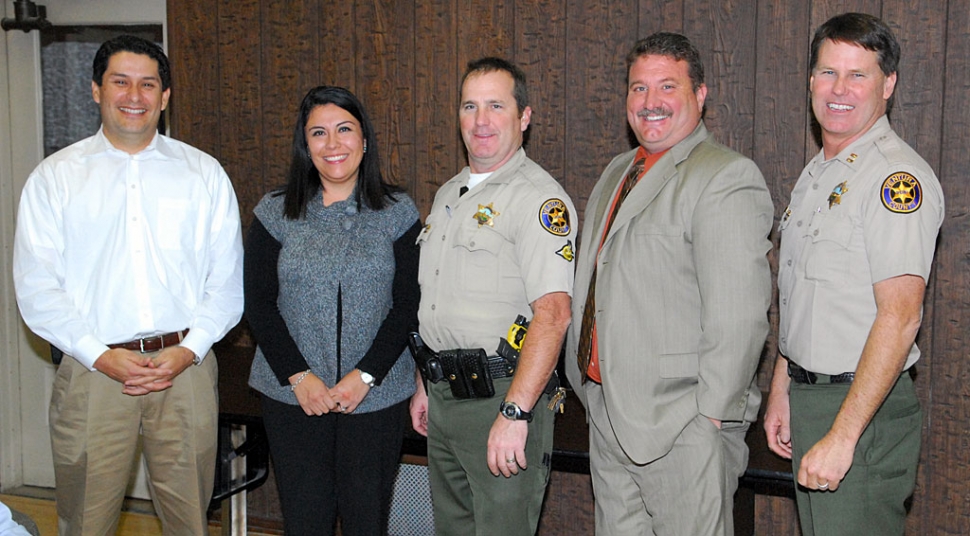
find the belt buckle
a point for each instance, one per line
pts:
(141, 344)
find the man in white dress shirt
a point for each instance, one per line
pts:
(128, 258)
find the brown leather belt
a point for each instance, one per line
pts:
(152, 344)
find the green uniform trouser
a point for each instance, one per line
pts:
(468, 499)
(870, 500)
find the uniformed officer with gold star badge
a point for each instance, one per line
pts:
(497, 244)
(857, 243)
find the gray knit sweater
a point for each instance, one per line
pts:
(333, 249)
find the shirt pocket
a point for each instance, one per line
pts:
(480, 251)
(828, 260)
(174, 215)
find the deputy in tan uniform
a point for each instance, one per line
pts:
(497, 244)
(857, 243)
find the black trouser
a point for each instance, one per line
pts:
(334, 465)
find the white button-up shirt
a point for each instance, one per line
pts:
(112, 247)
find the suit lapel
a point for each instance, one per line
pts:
(609, 192)
(643, 193)
(656, 178)
(599, 202)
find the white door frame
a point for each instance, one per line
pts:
(23, 356)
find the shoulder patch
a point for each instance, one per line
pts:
(567, 252)
(901, 193)
(554, 217)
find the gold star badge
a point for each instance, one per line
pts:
(486, 215)
(835, 198)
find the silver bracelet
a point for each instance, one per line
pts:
(298, 380)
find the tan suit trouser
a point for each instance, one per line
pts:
(687, 492)
(95, 430)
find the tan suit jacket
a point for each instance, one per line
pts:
(682, 293)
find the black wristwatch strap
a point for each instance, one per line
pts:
(512, 412)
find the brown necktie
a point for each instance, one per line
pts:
(589, 311)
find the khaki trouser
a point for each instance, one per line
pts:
(687, 492)
(95, 430)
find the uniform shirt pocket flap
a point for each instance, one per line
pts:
(835, 230)
(481, 238)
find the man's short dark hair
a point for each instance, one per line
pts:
(492, 64)
(864, 30)
(671, 45)
(135, 45)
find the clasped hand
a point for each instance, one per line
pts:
(140, 374)
(316, 398)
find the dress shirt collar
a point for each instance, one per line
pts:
(158, 148)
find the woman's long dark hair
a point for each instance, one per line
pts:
(303, 179)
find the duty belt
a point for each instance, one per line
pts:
(470, 371)
(800, 375)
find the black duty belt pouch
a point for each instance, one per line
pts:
(467, 373)
(430, 366)
(425, 359)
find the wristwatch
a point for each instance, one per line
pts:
(366, 378)
(512, 412)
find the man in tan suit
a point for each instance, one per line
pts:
(673, 277)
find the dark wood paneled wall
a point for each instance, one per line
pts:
(241, 67)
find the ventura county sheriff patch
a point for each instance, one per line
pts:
(902, 193)
(554, 217)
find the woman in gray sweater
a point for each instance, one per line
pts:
(331, 293)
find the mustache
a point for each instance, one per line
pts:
(663, 110)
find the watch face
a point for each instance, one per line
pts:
(510, 411)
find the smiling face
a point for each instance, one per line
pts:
(849, 93)
(335, 141)
(491, 125)
(661, 104)
(131, 100)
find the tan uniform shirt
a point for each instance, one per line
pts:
(869, 214)
(485, 256)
